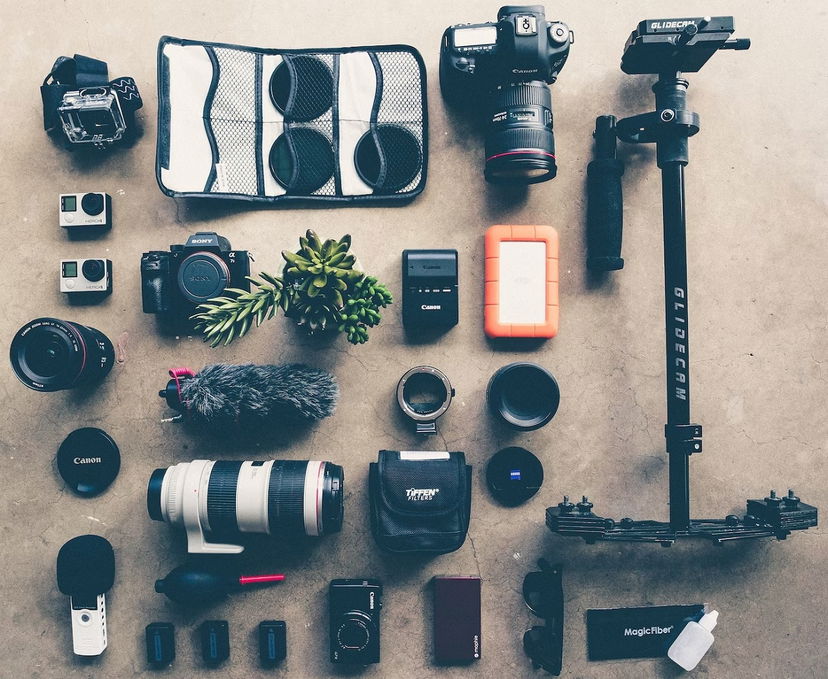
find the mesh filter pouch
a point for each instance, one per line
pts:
(420, 501)
(345, 125)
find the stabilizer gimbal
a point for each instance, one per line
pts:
(666, 47)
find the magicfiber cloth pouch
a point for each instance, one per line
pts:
(420, 501)
(321, 125)
(643, 632)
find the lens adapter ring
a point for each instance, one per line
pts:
(425, 418)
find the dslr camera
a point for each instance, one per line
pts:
(355, 633)
(507, 66)
(174, 283)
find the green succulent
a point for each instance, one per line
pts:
(319, 288)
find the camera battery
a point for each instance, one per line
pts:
(430, 288)
(456, 619)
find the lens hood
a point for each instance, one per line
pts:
(523, 395)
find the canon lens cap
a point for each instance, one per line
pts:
(88, 461)
(514, 475)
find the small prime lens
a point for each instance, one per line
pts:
(48, 354)
(524, 395)
(520, 143)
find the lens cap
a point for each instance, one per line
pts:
(514, 475)
(88, 461)
(202, 276)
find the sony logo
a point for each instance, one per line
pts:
(201, 241)
(658, 25)
(421, 494)
(86, 460)
(646, 631)
(197, 279)
(430, 307)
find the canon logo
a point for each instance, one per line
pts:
(86, 460)
(421, 494)
(646, 631)
(370, 601)
(431, 307)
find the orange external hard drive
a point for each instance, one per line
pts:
(521, 298)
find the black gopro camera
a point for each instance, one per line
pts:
(508, 65)
(174, 283)
(354, 621)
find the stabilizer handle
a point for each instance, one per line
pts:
(605, 207)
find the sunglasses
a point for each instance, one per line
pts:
(543, 594)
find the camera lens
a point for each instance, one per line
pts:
(354, 632)
(520, 144)
(93, 269)
(277, 497)
(50, 355)
(92, 203)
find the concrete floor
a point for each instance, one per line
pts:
(757, 240)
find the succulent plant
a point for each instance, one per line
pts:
(319, 288)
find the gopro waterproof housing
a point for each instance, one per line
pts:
(92, 115)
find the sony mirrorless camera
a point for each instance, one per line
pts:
(174, 283)
(355, 616)
(506, 67)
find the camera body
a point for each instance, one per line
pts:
(86, 276)
(355, 621)
(507, 66)
(520, 46)
(81, 210)
(174, 283)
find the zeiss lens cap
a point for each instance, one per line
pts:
(88, 461)
(514, 475)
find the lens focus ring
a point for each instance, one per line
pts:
(221, 498)
(285, 497)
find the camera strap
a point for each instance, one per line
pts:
(72, 73)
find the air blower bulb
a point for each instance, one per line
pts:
(250, 398)
(189, 585)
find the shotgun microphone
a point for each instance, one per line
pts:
(85, 572)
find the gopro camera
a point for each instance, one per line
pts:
(89, 276)
(78, 210)
(354, 621)
(174, 283)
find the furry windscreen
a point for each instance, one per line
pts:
(232, 397)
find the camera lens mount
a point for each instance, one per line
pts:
(424, 393)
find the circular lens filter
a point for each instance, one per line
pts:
(301, 88)
(302, 160)
(388, 158)
(88, 460)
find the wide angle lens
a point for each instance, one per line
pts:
(520, 144)
(48, 354)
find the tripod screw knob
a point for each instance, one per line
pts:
(585, 506)
(566, 506)
(791, 500)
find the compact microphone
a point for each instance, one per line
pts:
(85, 571)
(229, 399)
